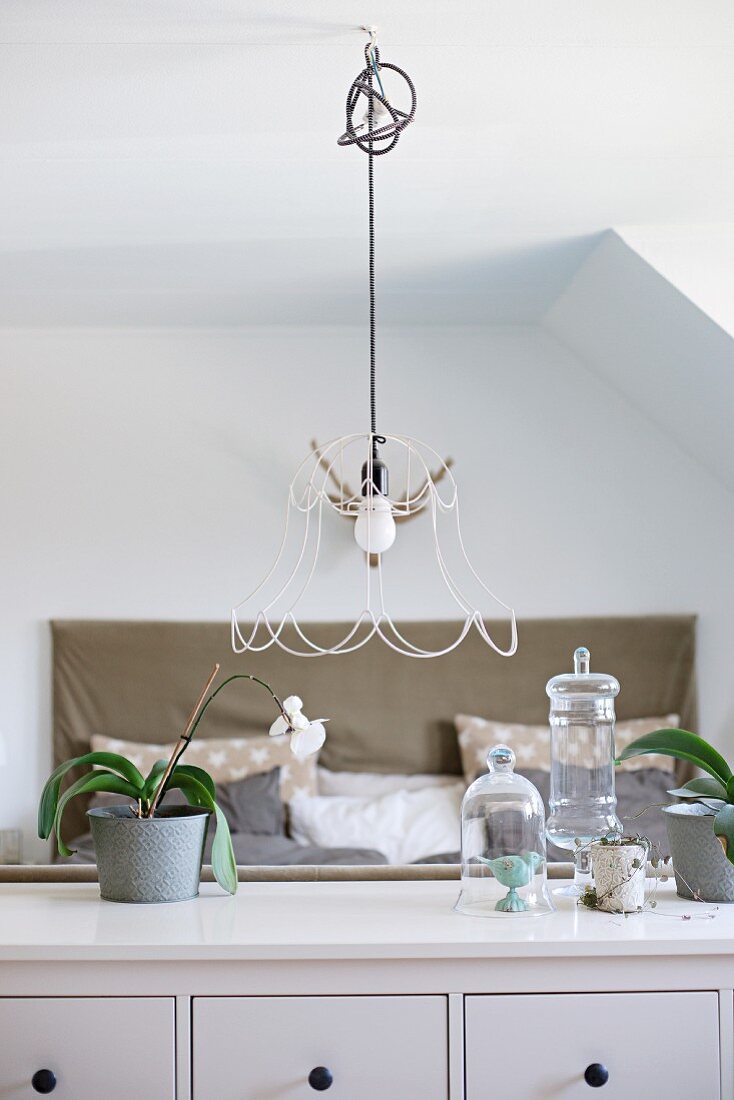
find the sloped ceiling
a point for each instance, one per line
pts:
(174, 162)
(697, 259)
(649, 341)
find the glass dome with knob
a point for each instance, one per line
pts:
(503, 857)
(582, 803)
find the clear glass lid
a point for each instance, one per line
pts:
(503, 856)
(582, 685)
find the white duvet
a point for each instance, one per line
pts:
(405, 825)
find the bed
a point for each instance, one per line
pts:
(136, 681)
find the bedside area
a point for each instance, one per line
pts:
(361, 989)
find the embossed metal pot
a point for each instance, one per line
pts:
(149, 860)
(698, 859)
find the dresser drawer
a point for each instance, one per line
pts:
(259, 1048)
(112, 1047)
(541, 1047)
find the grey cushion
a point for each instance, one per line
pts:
(281, 850)
(253, 805)
(258, 850)
(646, 790)
(639, 790)
(256, 819)
(441, 857)
(250, 805)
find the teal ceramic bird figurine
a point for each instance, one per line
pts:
(513, 871)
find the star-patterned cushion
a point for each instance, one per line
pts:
(226, 759)
(531, 744)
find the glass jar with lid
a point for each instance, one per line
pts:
(503, 857)
(582, 802)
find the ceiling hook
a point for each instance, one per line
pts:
(370, 49)
(372, 32)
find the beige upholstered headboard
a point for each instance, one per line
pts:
(139, 680)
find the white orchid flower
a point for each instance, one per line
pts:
(306, 737)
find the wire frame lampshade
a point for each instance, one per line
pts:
(321, 483)
(271, 609)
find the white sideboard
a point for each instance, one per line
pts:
(364, 991)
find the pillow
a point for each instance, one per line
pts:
(643, 789)
(372, 784)
(405, 825)
(251, 805)
(226, 759)
(250, 849)
(627, 732)
(531, 744)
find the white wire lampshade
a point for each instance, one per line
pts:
(320, 485)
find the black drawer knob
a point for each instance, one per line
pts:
(320, 1078)
(596, 1075)
(44, 1080)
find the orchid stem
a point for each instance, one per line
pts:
(195, 717)
(182, 743)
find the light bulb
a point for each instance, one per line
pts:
(374, 529)
(380, 117)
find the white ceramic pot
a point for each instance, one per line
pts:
(619, 876)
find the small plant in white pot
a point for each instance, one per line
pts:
(619, 865)
(701, 830)
(149, 852)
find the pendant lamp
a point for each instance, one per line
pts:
(269, 615)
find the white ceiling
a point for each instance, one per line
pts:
(698, 260)
(168, 162)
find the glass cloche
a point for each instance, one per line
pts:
(503, 860)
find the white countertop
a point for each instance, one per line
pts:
(338, 920)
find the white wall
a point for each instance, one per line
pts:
(144, 475)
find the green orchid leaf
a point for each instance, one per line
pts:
(724, 829)
(50, 794)
(703, 785)
(714, 804)
(683, 746)
(199, 774)
(196, 793)
(152, 779)
(95, 781)
(224, 864)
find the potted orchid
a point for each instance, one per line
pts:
(147, 851)
(701, 826)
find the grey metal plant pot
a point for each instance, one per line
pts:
(149, 860)
(699, 861)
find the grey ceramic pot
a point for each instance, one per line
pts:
(698, 858)
(149, 860)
